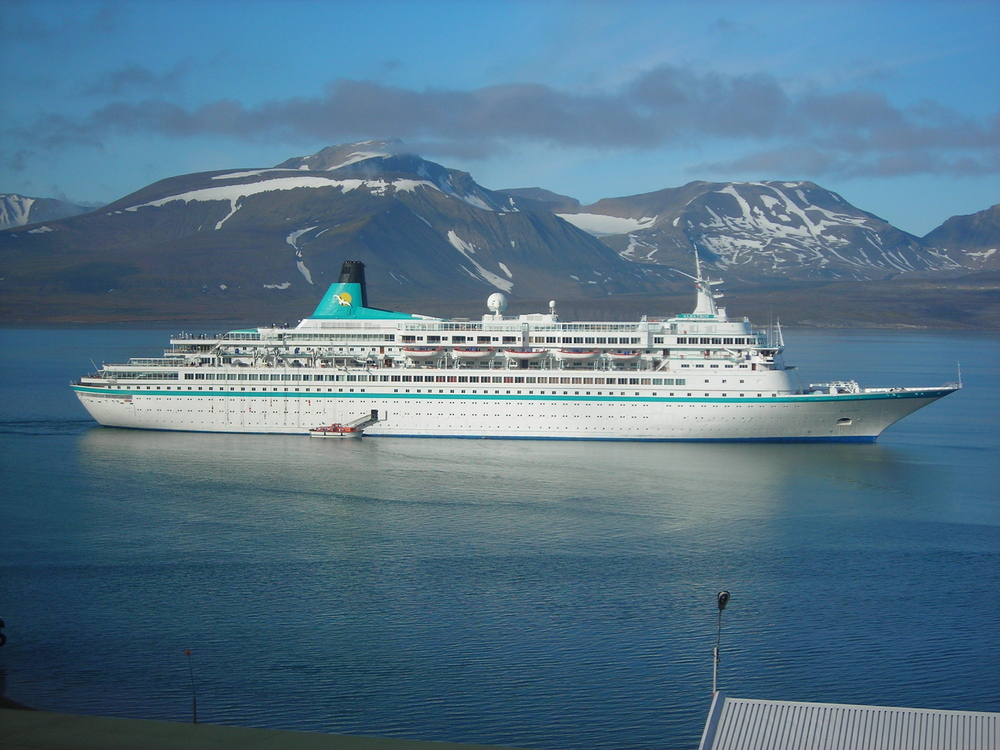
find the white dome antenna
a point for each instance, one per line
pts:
(497, 303)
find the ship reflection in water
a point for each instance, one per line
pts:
(690, 482)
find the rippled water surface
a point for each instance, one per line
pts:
(537, 594)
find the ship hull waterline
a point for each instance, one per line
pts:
(856, 417)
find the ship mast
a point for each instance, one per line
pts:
(706, 297)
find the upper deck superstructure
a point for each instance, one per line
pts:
(693, 376)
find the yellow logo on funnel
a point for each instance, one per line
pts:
(344, 298)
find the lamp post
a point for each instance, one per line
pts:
(722, 599)
(194, 698)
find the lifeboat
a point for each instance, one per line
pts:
(524, 355)
(578, 355)
(335, 431)
(421, 352)
(472, 353)
(624, 356)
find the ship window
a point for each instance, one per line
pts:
(716, 341)
(602, 340)
(657, 339)
(612, 340)
(550, 340)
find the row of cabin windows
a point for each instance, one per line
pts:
(456, 379)
(613, 340)
(718, 340)
(530, 380)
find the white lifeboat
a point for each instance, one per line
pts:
(472, 353)
(421, 352)
(524, 355)
(624, 356)
(578, 355)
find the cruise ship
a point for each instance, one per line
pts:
(695, 376)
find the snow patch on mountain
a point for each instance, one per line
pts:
(601, 225)
(234, 193)
(292, 240)
(467, 249)
(14, 210)
(234, 206)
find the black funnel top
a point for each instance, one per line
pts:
(353, 272)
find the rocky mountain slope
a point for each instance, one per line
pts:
(275, 238)
(763, 230)
(262, 244)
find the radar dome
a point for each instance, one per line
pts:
(497, 303)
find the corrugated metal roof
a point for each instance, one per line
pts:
(749, 724)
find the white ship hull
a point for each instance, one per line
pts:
(697, 376)
(643, 414)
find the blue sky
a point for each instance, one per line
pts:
(895, 105)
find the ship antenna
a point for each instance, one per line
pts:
(722, 599)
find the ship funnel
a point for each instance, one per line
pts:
(353, 272)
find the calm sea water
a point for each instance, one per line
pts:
(544, 595)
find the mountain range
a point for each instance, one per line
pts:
(18, 210)
(262, 244)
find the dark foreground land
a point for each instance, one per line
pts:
(41, 730)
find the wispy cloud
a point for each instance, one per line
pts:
(134, 78)
(810, 133)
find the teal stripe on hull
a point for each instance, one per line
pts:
(520, 397)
